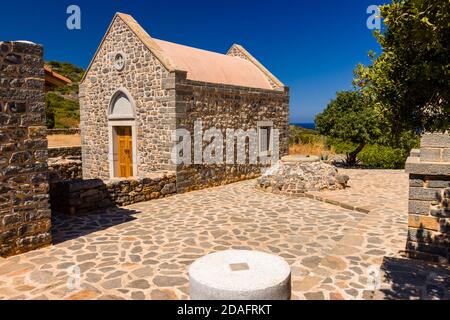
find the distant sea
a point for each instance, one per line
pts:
(306, 125)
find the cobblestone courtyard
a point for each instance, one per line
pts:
(143, 251)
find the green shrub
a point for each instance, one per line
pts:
(62, 107)
(61, 112)
(302, 135)
(340, 146)
(377, 156)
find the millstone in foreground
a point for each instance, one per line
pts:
(240, 275)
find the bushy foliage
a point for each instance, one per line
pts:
(302, 135)
(62, 106)
(61, 112)
(67, 69)
(340, 146)
(377, 156)
(350, 117)
(410, 80)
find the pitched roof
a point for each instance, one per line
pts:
(207, 66)
(203, 65)
(55, 78)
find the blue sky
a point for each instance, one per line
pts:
(310, 45)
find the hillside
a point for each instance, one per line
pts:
(62, 106)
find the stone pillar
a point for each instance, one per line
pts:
(24, 201)
(429, 198)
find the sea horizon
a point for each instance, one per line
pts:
(306, 125)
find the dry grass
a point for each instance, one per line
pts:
(64, 140)
(317, 148)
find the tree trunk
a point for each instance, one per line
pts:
(351, 157)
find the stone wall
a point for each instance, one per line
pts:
(64, 152)
(227, 107)
(64, 163)
(429, 198)
(65, 169)
(69, 131)
(25, 217)
(142, 76)
(82, 196)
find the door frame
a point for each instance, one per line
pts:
(112, 154)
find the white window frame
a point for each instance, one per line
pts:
(260, 125)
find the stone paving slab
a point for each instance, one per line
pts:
(143, 251)
(363, 181)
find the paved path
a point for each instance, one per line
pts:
(143, 250)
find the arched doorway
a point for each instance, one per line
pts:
(122, 135)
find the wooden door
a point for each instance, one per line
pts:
(125, 152)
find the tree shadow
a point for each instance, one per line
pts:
(405, 278)
(67, 227)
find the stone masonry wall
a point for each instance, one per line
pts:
(64, 169)
(64, 152)
(24, 208)
(82, 196)
(226, 107)
(429, 198)
(64, 163)
(143, 76)
(58, 131)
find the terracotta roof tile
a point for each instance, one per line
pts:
(207, 66)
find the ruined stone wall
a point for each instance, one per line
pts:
(429, 198)
(82, 196)
(70, 131)
(24, 207)
(64, 169)
(143, 76)
(64, 163)
(64, 152)
(227, 107)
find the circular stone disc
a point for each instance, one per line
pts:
(240, 274)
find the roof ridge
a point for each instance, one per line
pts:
(142, 35)
(147, 40)
(258, 64)
(195, 48)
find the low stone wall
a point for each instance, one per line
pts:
(197, 177)
(64, 163)
(65, 169)
(64, 152)
(429, 199)
(81, 196)
(63, 131)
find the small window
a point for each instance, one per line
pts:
(265, 137)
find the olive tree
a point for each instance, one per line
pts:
(350, 117)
